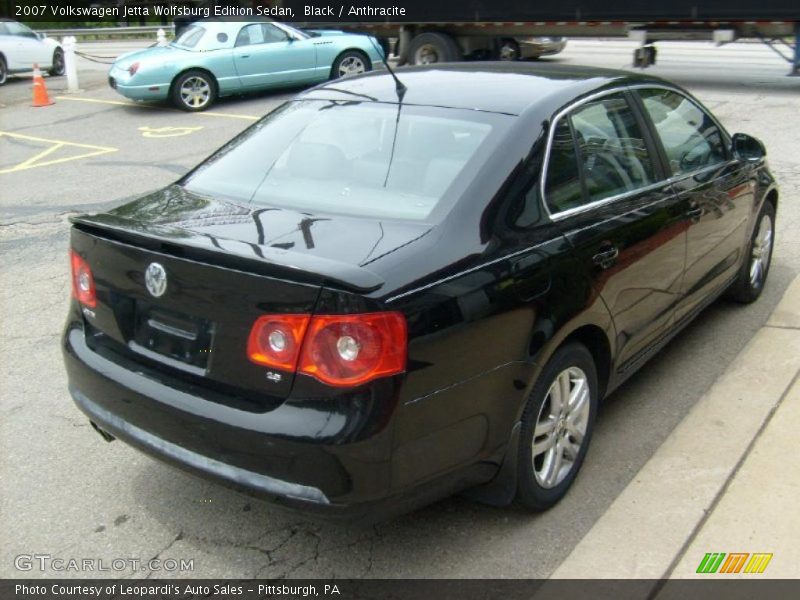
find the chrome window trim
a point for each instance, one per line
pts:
(563, 214)
(688, 96)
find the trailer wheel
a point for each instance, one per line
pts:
(432, 47)
(509, 50)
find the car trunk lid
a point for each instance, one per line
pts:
(215, 290)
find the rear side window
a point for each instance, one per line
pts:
(260, 33)
(563, 183)
(611, 148)
(190, 37)
(689, 135)
(598, 151)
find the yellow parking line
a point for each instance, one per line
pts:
(33, 162)
(27, 163)
(121, 103)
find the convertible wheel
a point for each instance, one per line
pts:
(350, 63)
(194, 91)
(3, 71)
(556, 427)
(57, 67)
(753, 274)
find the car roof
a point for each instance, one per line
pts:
(503, 87)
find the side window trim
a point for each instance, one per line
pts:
(650, 142)
(657, 140)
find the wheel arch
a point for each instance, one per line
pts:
(772, 197)
(185, 70)
(596, 341)
(593, 335)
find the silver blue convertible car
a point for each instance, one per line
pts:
(220, 58)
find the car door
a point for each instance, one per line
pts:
(718, 191)
(265, 55)
(605, 187)
(25, 47)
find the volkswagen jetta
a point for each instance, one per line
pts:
(381, 294)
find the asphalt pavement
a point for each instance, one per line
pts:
(67, 493)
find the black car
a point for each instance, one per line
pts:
(372, 299)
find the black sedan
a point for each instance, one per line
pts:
(375, 297)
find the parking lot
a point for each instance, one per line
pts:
(67, 493)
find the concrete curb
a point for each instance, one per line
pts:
(652, 529)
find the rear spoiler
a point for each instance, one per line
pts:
(233, 254)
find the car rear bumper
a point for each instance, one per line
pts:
(118, 79)
(293, 455)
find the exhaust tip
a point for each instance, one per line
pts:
(103, 434)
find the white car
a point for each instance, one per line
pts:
(21, 48)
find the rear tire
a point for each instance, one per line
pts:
(3, 71)
(431, 48)
(754, 270)
(556, 427)
(194, 91)
(349, 63)
(57, 68)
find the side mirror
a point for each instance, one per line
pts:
(39, 35)
(746, 147)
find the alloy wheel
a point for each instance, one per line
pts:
(561, 427)
(760, 256)
(351, 65)
(195, 92)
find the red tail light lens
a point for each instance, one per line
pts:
(349, 350)
(82, 280)
(275, 340)
(338, 350)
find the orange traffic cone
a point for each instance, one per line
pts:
(40, 96)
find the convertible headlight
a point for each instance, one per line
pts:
(133, 68)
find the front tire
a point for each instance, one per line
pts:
(556, 427)
(3, 71)
(753, 274)
(194, 91)
(349, 63)
(57, 68)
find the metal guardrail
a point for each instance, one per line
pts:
(89, 33)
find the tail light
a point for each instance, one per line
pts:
(275, 340)
(82, 280)
(338, 350)
(133, 68)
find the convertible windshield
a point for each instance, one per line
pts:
(356, 158)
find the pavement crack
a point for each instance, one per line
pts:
(157, 556)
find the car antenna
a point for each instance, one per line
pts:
(399, 87)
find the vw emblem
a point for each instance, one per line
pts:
(155, 279)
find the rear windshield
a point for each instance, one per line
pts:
(354, 158)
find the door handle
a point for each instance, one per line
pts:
(606, 258)
(244, 56)
(695, 213)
